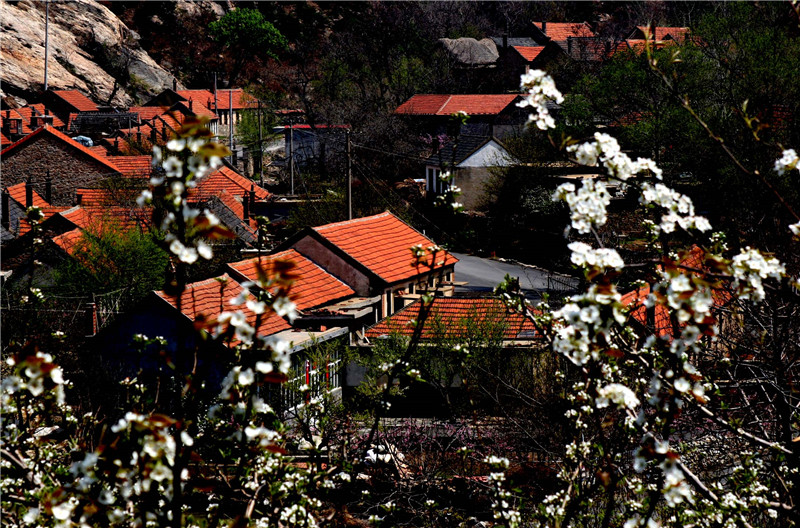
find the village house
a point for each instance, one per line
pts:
(373, 255)
(489, 114)
(63, 103)
(469, 160)
(46, 152)
(201, 304)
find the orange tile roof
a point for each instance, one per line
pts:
(559, 31)
(314, 286)
(694, 258)
(148, 112)
(635, 301)
(458, 317)
(78, 101)
(63, 138)
(133, 166)
(14, 114)
(97, 214)
(17, 193)
(233, 203)
(529, 52)
(69, 241)
(100, 150)
(445, 105)
(209, 298)
(93, 197)
(225, 179)
(36, 110)
(382, 243)
(4, 141)
(663, 32)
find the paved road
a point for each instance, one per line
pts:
(485, 274)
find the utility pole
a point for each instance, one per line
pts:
(291, 156)
(349, 177)
(230, 123)
(46, 39)
(260, 142)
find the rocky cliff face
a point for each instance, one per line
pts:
(91, 50)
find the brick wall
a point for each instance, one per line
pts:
(69, 168)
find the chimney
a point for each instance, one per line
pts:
(252, 194)
(78, 198)
(191, 105)
(246, 205)
(569, 46)
(544, 27)
(6, 220)
(174, 84)
(116, 145)
(28, 193)
(47, 120)
(153, 135)
(48, 188)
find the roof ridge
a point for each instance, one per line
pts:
(63, 137)
(354, 220)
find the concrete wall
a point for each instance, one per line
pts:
(69, 168)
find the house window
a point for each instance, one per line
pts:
(432, 182)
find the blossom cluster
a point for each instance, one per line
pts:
(540, 88)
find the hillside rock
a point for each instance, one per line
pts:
(91, 50)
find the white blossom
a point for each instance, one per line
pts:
(540, 88)
(788, 161)
(618, 394)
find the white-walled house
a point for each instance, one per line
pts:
(470, 160)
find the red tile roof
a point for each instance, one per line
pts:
(382, 243)
(78, 101)
(17, 193)
(457, 318)
(52, 132)
(559, 31)
(529, 52)
(4, 141)
(445, 105)
(314, 286)
(209, 298)
(225, 179)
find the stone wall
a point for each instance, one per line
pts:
(69, 168)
